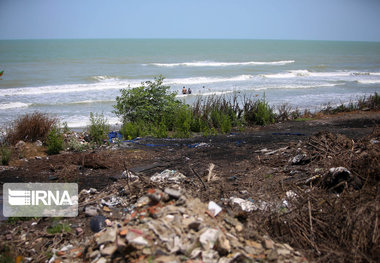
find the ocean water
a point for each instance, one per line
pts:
(71, 78)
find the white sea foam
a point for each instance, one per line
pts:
(306, 73)
(68, 88)
(112, 85)
(208, 93)
(89, 101)
(104, 78)
(221, 64)
(13, 105)
(369, 81)
(83, 121)
(296, 86)
(205, 80)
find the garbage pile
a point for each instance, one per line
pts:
(166, 226)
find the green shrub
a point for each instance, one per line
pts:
(5, 155)
(195, 125)
(131, 130)
(258, 112)
(99, 128)
(182, 122)
(226, 124)
(150, 102)
(54, 141)
(161, 131)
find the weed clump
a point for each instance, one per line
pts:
(54, 141)
(99, 128)
(5, 155)
(30, 128)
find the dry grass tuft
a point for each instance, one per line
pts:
(30, 128)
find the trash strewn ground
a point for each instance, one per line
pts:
(267, 195)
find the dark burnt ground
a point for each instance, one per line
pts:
(232, 154)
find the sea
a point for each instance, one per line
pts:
(69, 79)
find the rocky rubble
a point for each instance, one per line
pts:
(167, 226)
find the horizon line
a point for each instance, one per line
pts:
(185, 38)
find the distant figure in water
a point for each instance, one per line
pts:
(184, 91)
(189, 91)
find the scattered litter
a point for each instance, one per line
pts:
(170, 176)
(245, 205)
(300, 159)
(130, 176)
(290, 194)
(214, 208)
(199, 145)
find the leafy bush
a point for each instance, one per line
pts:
(54, 141)
(131, 130)
(99, 128)
(150, 102)
(30, 127)
(5, 155)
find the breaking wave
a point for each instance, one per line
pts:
(13, 105)
(221, 64)
(307, 73)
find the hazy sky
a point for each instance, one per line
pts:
(265, 19)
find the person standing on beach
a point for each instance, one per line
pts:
(188, 91)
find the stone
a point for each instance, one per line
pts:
(101, 260)
(210, 256)
(91, 211)
(139, 241)
(223, 245)
(120, 243)
(143, 201)
(208, 238)
(38, 143)
(38, 157)
(79, 231)
(19, 145)
(194, 225)
(108, 222)
(176, 194)
(8, 236)
(107, 237)
(254, 244)
(269, 244)
(108, 250)
(283, 252)
(239, 227)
